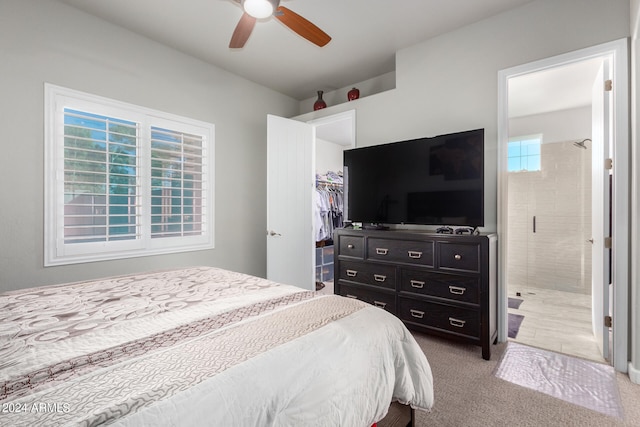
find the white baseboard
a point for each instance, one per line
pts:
(634, 374)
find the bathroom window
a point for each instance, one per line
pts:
(524, 153)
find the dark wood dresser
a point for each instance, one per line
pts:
(444, 284)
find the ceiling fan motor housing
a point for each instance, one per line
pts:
(260, 8)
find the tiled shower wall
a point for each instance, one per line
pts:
(558, 255)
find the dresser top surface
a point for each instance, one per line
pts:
(415, 234)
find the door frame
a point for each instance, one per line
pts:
(618, 51)
(348, 117)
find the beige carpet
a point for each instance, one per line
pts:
(467, 394)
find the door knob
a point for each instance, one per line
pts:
(590, 240)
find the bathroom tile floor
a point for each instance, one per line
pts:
(557, 321)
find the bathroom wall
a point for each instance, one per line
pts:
(558, 254)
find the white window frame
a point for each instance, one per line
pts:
(57, 252)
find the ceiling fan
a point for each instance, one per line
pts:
(258, 9)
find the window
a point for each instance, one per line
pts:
(524, 153)
(123, 181)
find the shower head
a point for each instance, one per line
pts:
(581, 143)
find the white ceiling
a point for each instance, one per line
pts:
(559, 88)
(366, 34)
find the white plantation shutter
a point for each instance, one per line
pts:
(123, 181)
(177, 183)
(101, 189)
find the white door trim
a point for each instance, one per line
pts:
(346, 120)
(618, 51)
(601, 123)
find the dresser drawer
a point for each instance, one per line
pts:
(379, 299)
(406, 251)
(449, 286)
(351, 246)
(459, 256)
(369, 274)
(440, 316)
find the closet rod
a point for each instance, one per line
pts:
(339, 184)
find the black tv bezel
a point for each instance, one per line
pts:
(372, 223)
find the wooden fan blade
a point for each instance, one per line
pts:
(243, 31)
(301, 26)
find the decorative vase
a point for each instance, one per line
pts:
(353, 94)
(319, 104)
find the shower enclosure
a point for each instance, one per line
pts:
(550, 221)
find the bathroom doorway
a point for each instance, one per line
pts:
(551, 202)
(549, 193)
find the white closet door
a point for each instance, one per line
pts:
(290, 197)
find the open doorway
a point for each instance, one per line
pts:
(546, 227)
(549, 208)
(334, 134)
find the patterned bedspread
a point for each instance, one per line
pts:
(201, 346)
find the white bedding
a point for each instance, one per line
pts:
(202, 346)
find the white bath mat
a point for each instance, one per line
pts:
(581, 382)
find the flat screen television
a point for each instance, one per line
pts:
(429, 181)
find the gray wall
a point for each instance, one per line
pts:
(449, 83)
(45, 41)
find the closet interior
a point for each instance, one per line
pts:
(328, 216)
(334, 134)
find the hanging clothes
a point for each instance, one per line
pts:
(329, 205)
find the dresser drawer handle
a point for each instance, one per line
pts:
(350, 246)
(417, 314)
(379, 277)
(351, 296)
(457, 290)
(457, 322)
(380, 304)
(414, 254)
(457, 257)
(352, 273)
(417, 284)
(382, 251)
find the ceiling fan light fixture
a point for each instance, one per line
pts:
(254, 10)
(259, 8)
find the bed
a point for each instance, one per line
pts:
(202, 346)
